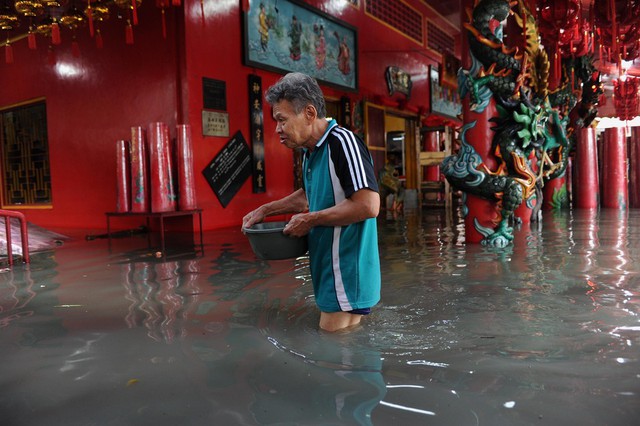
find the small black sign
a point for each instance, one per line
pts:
(229, 169)
(214, 94)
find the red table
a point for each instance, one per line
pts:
(159, 215)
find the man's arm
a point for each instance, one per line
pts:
(362, 204)
(295, 202)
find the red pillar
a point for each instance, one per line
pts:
(479, 137)
(123, 177)
(586, 189)
(139, 171)
(634, 165)
(554, 193)
(184, 159)
(431, 144)
(163, 198)
(523, 212)
(614, 169)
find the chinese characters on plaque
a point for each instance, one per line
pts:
(215, 123)
(257, 132)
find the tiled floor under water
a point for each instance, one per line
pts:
(545, 332)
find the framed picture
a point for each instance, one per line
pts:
(444, 99)
(288, 35)
(449, 70)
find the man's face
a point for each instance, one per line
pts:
(293, 129)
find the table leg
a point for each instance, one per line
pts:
(7, 226)
(201, 239)
(148, 232)
(109, 231)
(162, 235)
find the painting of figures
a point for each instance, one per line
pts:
(287, 35)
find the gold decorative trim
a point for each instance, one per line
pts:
(14, 39)
(27, 207)
(19, 104)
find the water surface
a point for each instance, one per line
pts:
(545, 332)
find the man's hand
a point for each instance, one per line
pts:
(253, 217)
(360, 206)
(292, 203)
(299, 225)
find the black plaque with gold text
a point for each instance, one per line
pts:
(229, 169)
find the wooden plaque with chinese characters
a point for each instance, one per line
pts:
(256, 118)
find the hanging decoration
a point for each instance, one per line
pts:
(617, 24)
(96, 12)
(131, 6)
(59, 21)
(564, 30)
(162, 4)
(625, 97)
(8, 21)
(29, 7)
(73, 20)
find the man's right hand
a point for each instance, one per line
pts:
(252, 218)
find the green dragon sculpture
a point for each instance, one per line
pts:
(528, 124)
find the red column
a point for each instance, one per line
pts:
(568, 180)
(123, 190)
(184, 157)
(554, 193)
(586, 188)
(480, 137)
(634, 165)
(163, 197)
(523, 212)
(432, 173)
(139, 171)
(614, 169)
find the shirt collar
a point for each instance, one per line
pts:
(332, 123)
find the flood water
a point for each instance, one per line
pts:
(545, 332)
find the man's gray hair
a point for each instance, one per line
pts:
(299, 89)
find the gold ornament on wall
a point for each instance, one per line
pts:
(29, 7)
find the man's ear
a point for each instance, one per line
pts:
(310, 112)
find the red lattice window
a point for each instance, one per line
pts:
(24, 156)
(398, 15)
(439, 40)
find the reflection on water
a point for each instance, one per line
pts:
(545, 331)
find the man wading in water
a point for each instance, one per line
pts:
(336, 207)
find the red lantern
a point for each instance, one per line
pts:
(559, 20)
(626, 101)
(618, 27)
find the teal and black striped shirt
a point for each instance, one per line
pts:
(345, 264)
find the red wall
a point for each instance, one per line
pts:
(117, 87)
(206, 55)
(161, 80)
